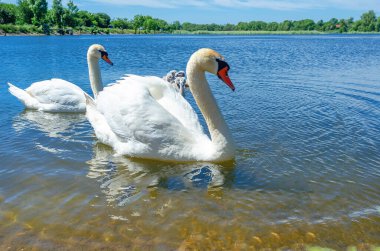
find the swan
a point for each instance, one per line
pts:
(58, 95)
(145, 118)
(177, 80)
(170, 76)
(180, 85)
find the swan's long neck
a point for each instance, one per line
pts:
(220, 134)
(95, 75)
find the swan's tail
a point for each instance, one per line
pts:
(23, 96)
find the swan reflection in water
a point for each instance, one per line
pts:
(125, 180)
(59, 132)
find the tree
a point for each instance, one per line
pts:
(102, 19)
(150, 24)
(242, 26)
(121, 23)
(319, 25)
(25, 12)
(85, 18)
(368, 21)
(229, 27)
(57, 13)
(304, 25)
(39, 9)
(70, 15)
(286, 25)
(176, 25)
(138, 21)
(273, 26)
(8, 13)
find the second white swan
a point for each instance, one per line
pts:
(58, 95)
(144, 117)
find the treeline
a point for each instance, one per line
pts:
(35, 16)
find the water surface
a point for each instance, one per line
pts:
(305, 116)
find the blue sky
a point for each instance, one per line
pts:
(230, 11)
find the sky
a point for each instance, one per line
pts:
(229, 11)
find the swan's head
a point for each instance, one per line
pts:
(211, 61)
(97, 51)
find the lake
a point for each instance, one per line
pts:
(305, 117)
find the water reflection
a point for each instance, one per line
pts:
(125, 180)
(56, 125)
(55, 133)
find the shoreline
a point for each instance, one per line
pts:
(182, 32)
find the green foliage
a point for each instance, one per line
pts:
(121, 23)
(69, 19)
(17, 29)
(102, 20)
(39, 9)
(70, 16)
(368, 21)
(8, 13)
(57, 13)
(25, 12)
(85, 18)
(138, 22)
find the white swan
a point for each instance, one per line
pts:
(58, 95)
(177, 80)
(144, 117)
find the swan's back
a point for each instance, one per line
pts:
(57, 95)
(148, 119)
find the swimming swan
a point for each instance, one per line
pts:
(144, 117)
(177, 80)
(58, 95)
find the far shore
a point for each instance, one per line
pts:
(200, 32)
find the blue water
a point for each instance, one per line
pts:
(305, 116)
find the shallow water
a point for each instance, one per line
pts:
(305, 116)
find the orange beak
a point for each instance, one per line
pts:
(223, 75)
(105, 58)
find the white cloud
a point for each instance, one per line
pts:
(262, 4)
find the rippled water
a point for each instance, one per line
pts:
(305, 116)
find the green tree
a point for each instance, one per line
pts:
(150, 24)
(84, 18)
(102, 19)
(304, 25)
(273, 26)
(229, 27)
(368, 21)
(58, 13)
(319, 25)
(70, 15)
(121, 23)
(138, 22)
(242, 26)
(39, 9)
(285, 26)
(176, 25)
(25, 12)
(8, 13)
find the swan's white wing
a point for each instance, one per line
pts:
(148, 119)
(169, 99)
(57, 95)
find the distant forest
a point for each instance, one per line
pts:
(35, 16)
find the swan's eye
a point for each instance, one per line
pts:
(222, 64)
(103, 53)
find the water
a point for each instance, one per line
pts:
(305, 116)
